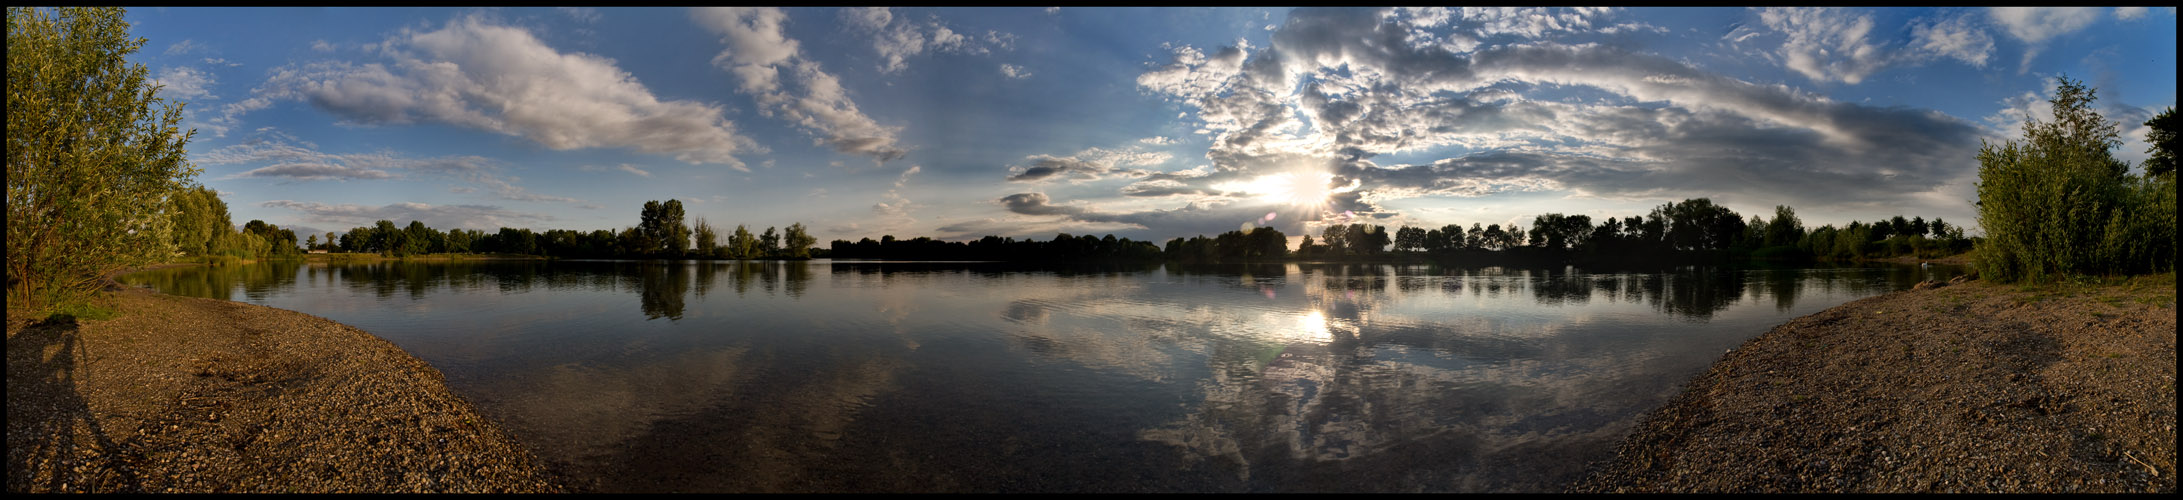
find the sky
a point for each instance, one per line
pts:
(1145, 123)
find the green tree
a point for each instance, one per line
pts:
(707, 238)
(2058, 203)
(673, 234)
(799, 241)
(94, 157)
(741, 244)
(2162, 139)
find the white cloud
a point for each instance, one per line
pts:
(1954, 37)
(898, 39)
(758, 52)
(632, 169)
(585, 15)
(1339, 87)
(186, 46)
(477, 74)
(2037, 24)
(2034, 25)
(1826, 43)
(322, 46)
(184, 82)
(2129, 13)
(287, 159)
(1014, 71)
(1091, 163)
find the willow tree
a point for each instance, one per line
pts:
(93, 154)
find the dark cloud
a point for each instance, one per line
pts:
(316, 171)
(1341, 86)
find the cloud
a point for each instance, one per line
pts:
(1953, 37)
(2037, 24)
(623, 167)
(759, 53)
(893, 203)
(443, 217)
(477, 74)
(184, 82)
(586, 15)
(1014, 71)
(187, 46)
(1092, 163)
(897, 39)
(321, 46)
(1338, 87)
(1826, 43)
(288, 159)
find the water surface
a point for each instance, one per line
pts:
(864, 376)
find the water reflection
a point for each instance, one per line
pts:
(893, 376)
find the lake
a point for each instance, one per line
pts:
(918, 376)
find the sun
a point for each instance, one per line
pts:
(1299, 190)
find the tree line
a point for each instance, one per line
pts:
(660, 233)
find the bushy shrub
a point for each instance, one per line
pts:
(2058, 204)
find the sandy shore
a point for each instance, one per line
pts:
(182, 394)
(1973, 387)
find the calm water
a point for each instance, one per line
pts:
(856, 376)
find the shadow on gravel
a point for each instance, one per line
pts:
(46, 414)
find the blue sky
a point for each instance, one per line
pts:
(1148, 123)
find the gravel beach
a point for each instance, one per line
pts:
(1971, 387)
(182, 394)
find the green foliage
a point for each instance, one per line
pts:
(82, 310)
(741, 244)
(707, 239)
(94, 157)
(2162, 138)
(2058, 204)
(799, 241)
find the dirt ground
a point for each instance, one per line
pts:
(183, 394)
(1971, 387)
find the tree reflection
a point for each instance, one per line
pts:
(660, 287)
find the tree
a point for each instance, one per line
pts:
(1335, 238)
(769, 243)
(741, 245)
(799, 241)
(1559, 231)
(674, 236)
(1409, 239)
(1785, 229)
(706, 239)
(2058, 203)
(94, 157)
(1697, 224)
(2162, 139)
